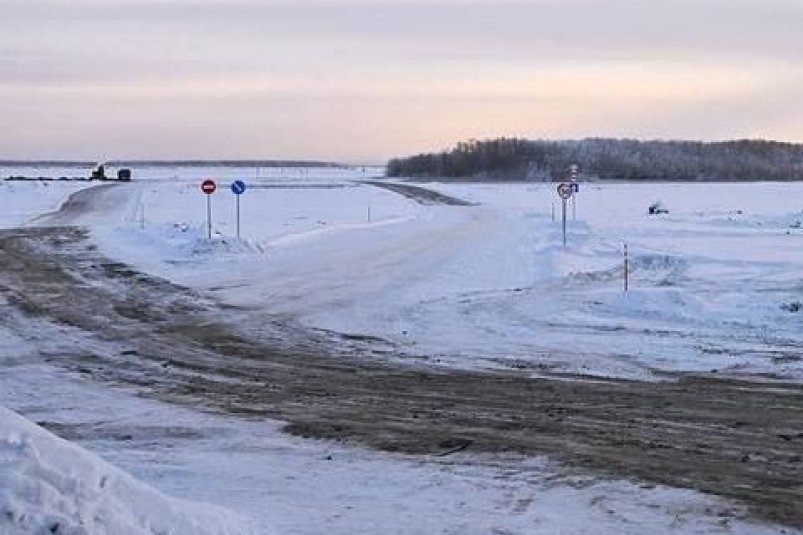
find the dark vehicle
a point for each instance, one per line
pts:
(657, 208)
(99, 173)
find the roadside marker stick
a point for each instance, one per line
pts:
(626, 269)
(574, 207)
(553, 211)
(564, 222)
(369, 214)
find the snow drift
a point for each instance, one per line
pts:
(49, 485)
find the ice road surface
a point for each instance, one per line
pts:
(715, 285)
(287, 485)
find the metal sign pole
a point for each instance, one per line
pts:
(238, 187)
(238, 216)
(574, 173)
(565, 191)
(208, 186)
(209, 217)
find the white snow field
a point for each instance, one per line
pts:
(24, 201)
(490, 285)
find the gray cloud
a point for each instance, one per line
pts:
(599, 27)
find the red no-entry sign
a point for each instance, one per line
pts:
(208, 187)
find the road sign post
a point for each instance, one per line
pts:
(208, 186)
(565, 191)
(238, 188)
(574, 173)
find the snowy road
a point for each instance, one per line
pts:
(739, 439)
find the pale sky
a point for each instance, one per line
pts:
(364, 80)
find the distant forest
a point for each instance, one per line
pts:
(608, 159)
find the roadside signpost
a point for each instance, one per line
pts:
(238, 188)
(565, 191)
(574, 173)
(208, 186)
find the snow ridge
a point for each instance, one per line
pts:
(49, 485)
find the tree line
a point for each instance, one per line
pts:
(608, 159)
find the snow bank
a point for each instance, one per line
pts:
(49, 485)
(32, 199)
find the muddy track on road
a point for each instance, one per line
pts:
(739, 439)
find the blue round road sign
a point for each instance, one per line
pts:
(238, 187)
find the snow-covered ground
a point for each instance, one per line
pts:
(24, 201)
(485, 285)
(715, 285)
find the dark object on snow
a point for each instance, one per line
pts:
(657, 208)
(124, 175)
(794, 306)
(99, 173)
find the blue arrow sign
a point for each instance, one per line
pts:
(238, 187)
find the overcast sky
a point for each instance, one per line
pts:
(362, 80)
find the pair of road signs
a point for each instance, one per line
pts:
(209, 186)
(567, 189)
